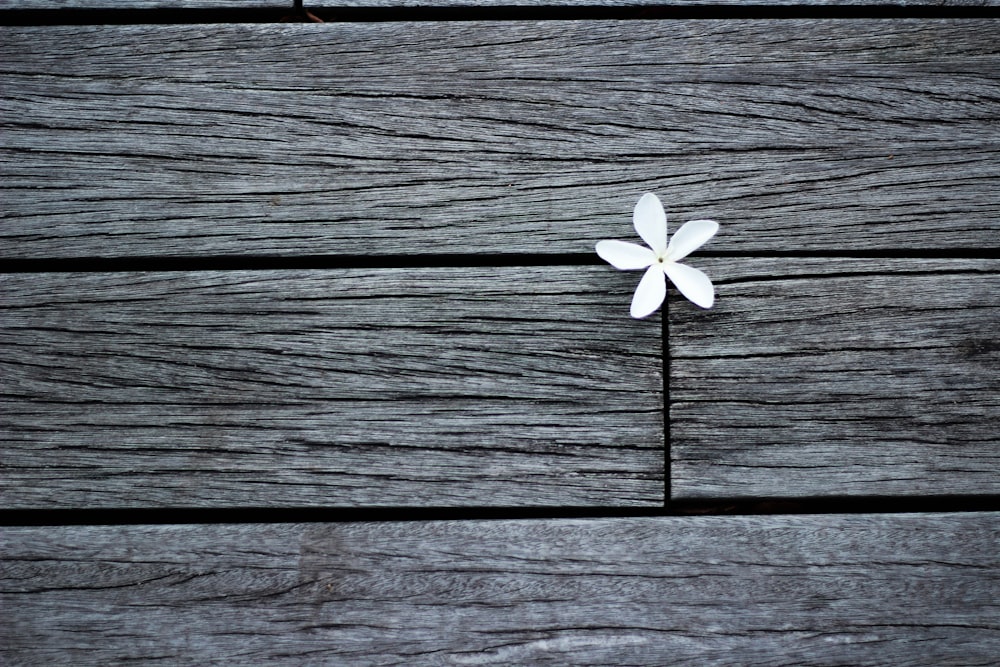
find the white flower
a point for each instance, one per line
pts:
(660, 259)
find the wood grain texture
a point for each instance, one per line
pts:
(838, 377)
(797, 590)
(487, 137)
(381, 387)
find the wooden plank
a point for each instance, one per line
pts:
(838, 377)
(778, 590)
(496, 137)
(454, 386)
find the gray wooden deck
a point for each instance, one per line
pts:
(306, 356)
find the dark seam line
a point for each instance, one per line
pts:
(761, 506)
(291, 12)
(665, 338)
(430, 260)
(267, 263)
(885, 253)
(679, 508)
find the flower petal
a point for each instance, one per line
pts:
(691, 236)
(650, 293)
(651, 222)
(692, 283)
(625, 256)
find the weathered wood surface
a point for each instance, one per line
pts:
(453, 386)
(838, 377)
(496, 137)
(918, 589)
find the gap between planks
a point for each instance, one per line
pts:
(506, 260)
(845, 505)
(49, 13)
